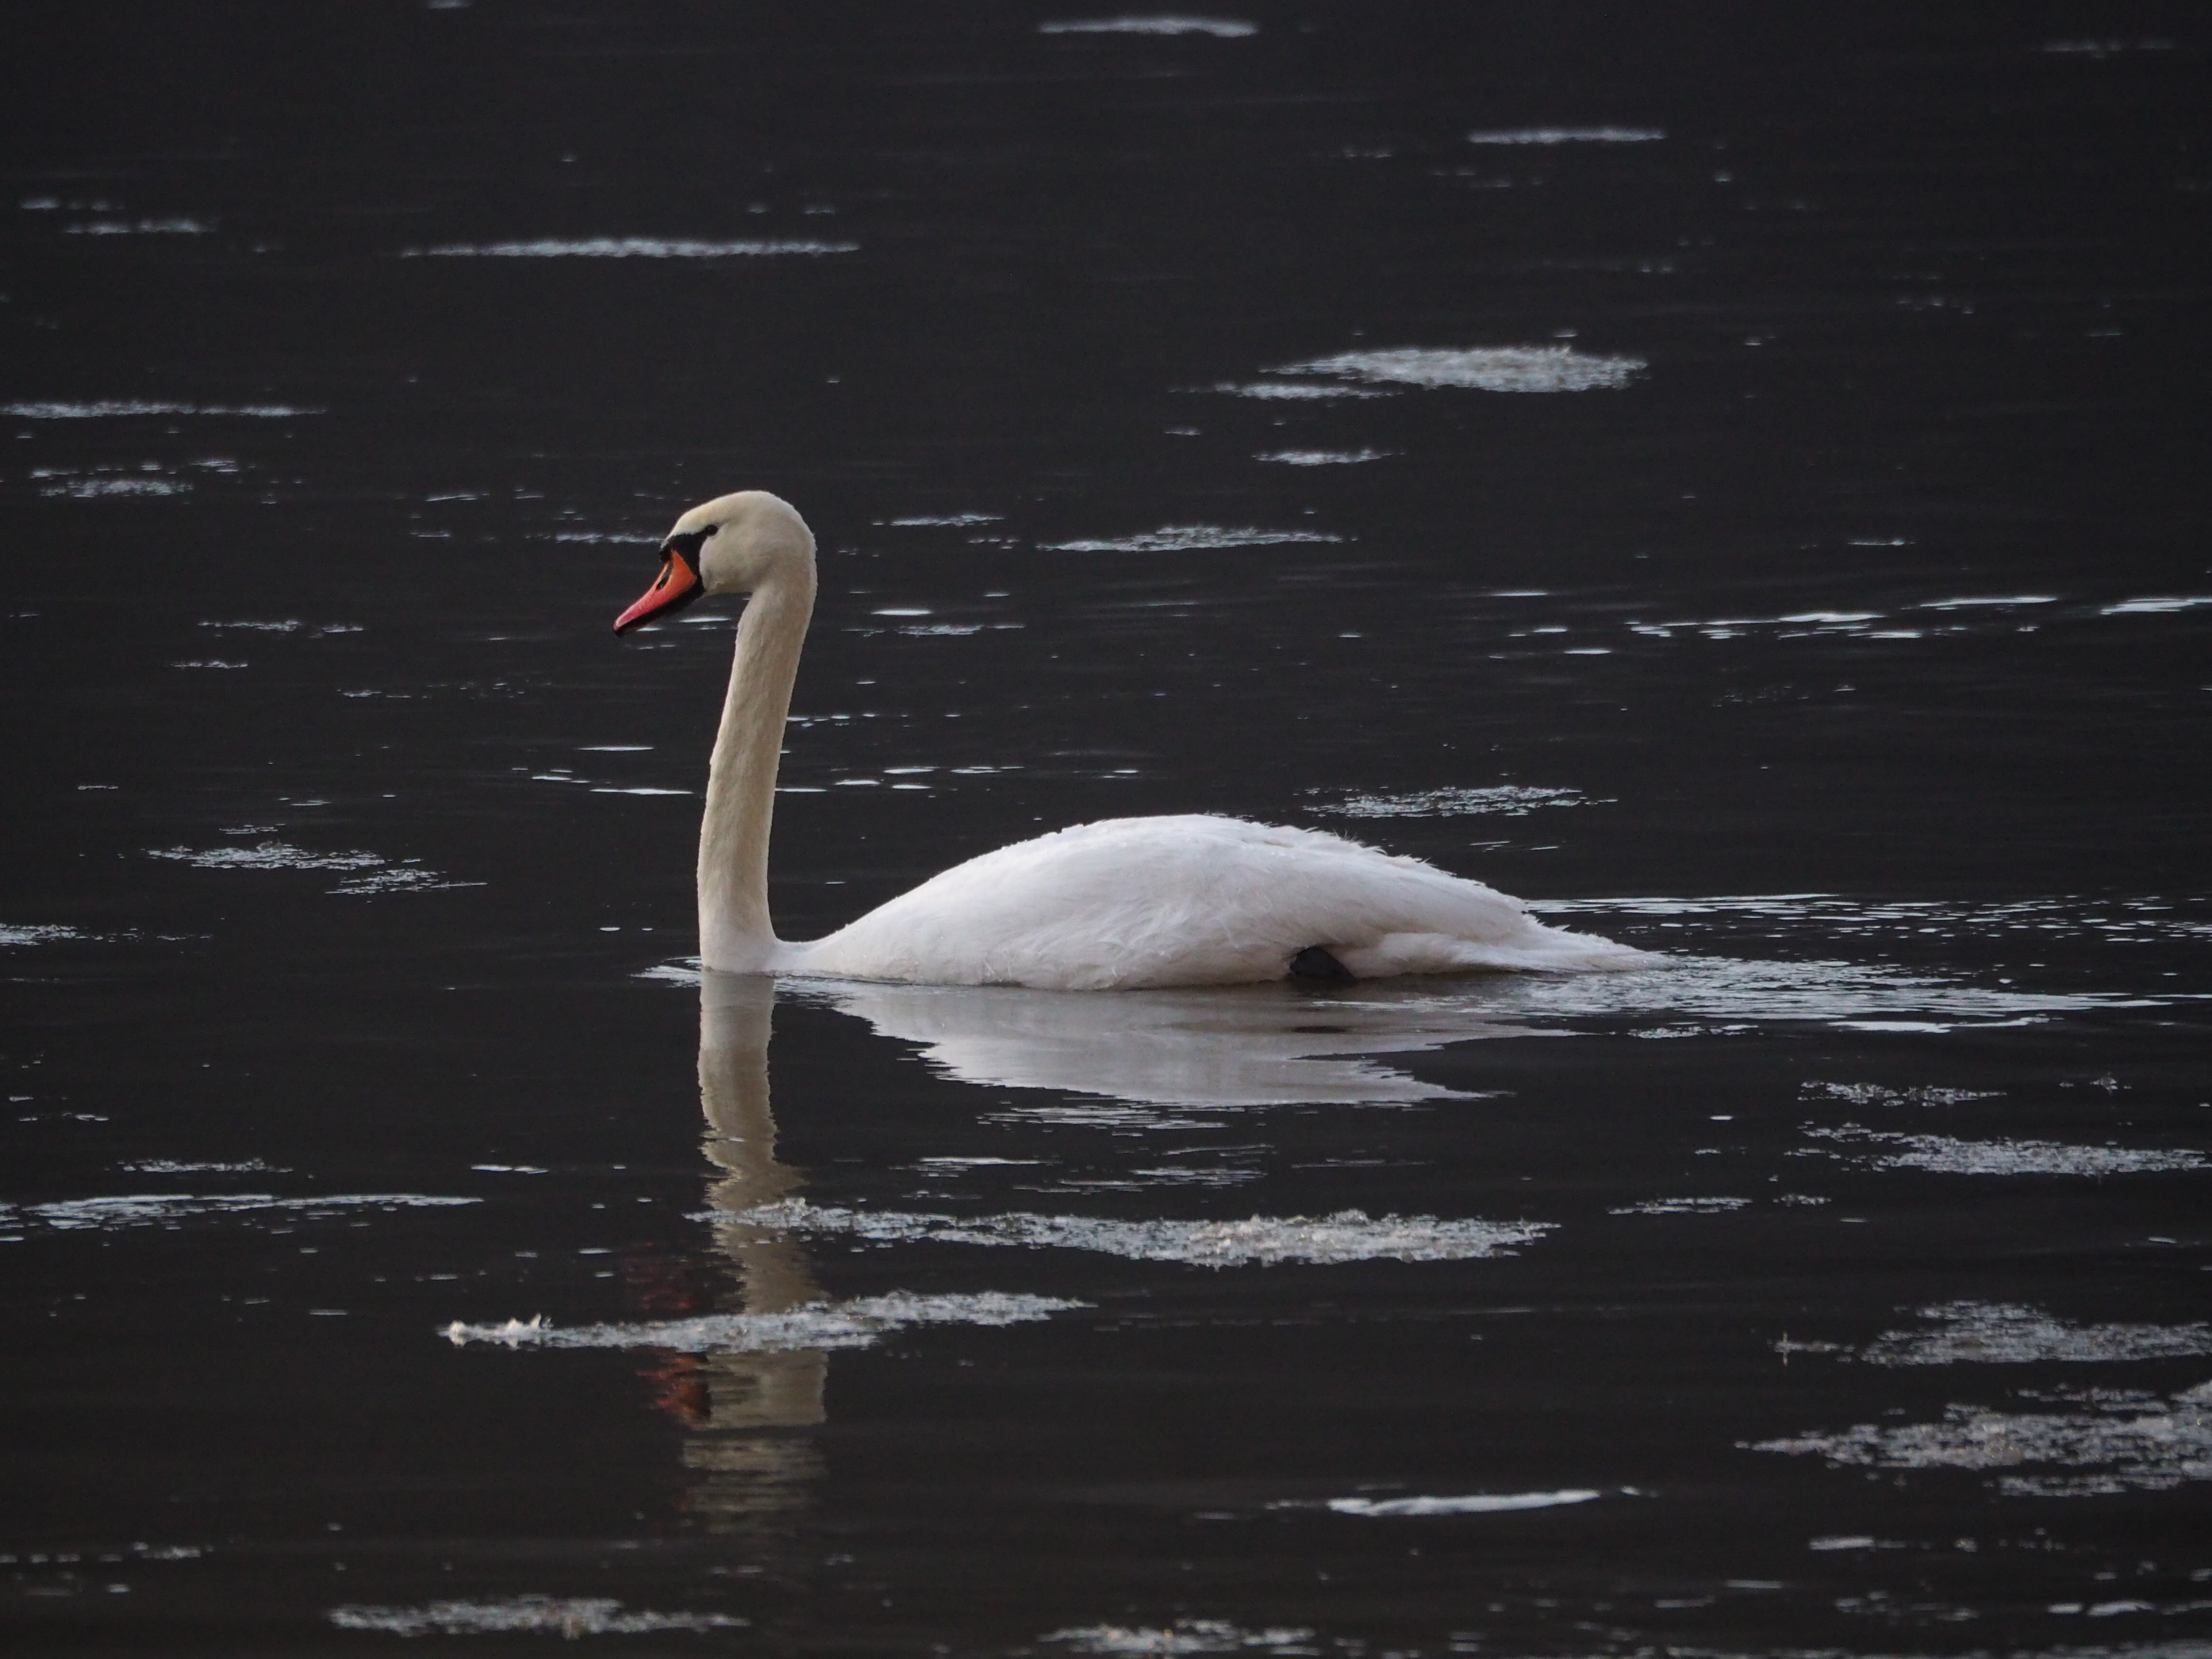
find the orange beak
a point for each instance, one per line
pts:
(679, 585)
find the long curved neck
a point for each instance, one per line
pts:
(735, 933)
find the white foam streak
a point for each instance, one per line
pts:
(1481, 368)
(629, 247)
(855, 1324)
(1263, 1241)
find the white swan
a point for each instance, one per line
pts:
(1116, 905)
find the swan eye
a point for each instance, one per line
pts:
(689, 543)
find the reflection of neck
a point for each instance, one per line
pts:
(735, 933)
(733, 1034)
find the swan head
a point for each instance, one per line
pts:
(732, 544)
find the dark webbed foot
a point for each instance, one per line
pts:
(1315, 963)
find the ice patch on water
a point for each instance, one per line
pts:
(138, 228)
(542, 1615)
(949, 520)
(1296, 390)
(151, 1209)
(1466, 1504)
(36, 933)
(1547, 136)
(1943, 1154)
(629, 247)
(1503, 800)
(120, 408)
(175, 1166)
(1347, 1236)
(378, 874)
(2155, 606)
(2106, 48)
(1190, 538)
(1682, 1207)
(1324, 456)
(2007, 1334)
(97, 489)
(1184, 1636)
(1482, 368)
(2135, 1441)
(855, 1324)
(1221, 28)
(1878, 1094)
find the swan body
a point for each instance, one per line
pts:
(1119, 904)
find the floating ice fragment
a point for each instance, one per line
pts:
(144, 1209)
(1468, 1503)
(2154, 607)
(1502, 799)
(87, 490)
(36, 933)
(855, 1324)
(1191, 538)
(1324, 456)
(117, 409)
(1184, 1636)
(377, 875)
(1682, 1207)
(549, 1616)
(138, 228)
(952, 520)
(1877, 1094)
(1296, 390)
(2004, 1333)
(1944, 1155)
(1570, 135)
(629, 247)
(1995, 599)
(1221, 28)
(2135, 1440)
(1483, 369)
(1347, 1236)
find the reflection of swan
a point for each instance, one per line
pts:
(1240, 1045)
(1113, 905)
(737, 1400)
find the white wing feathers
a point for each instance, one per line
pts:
(1195, 900)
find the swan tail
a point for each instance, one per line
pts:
(1539, 949)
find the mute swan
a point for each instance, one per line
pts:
(1115, 905)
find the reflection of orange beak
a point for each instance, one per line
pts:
(677, 587)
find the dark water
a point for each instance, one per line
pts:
(1831, 615)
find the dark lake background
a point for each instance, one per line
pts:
(1733, 476)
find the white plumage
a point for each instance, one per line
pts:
(1121, 904)
(1131, 902)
